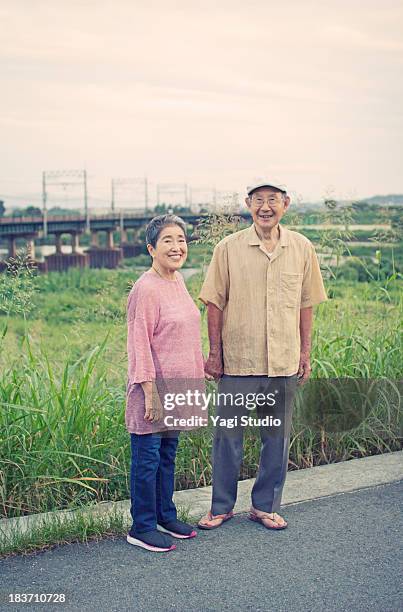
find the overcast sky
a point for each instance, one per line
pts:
(214, 93)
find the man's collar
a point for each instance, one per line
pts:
(254, 239)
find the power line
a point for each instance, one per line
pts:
(118, 183)
(64, 178)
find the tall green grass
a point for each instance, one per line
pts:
(63, 441)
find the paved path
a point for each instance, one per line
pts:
(340, 553)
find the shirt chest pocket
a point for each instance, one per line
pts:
(290, 289)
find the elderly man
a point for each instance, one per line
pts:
(260, 288)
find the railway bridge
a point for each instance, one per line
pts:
(128, 226)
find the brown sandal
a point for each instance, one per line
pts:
(265, 516)
(203, 523)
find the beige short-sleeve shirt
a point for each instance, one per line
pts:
(261, 298)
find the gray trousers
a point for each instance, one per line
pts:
(275, 440)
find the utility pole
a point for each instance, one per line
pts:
(44, 207)
(113, 195)
(87, 214)
(64, 178)
(146, 194)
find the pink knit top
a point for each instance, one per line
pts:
(163, 342)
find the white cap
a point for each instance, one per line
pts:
(264, 183)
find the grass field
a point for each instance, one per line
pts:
(63, 441)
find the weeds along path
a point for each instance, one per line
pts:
(63, 441)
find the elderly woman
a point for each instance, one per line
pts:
(163, 343)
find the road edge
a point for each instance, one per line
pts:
(301, 485)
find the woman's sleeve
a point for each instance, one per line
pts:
(142, 319)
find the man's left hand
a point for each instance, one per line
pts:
(304, 370)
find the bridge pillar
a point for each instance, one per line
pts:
(133, 246)
(60, 262)
(104, 258)
(109, 239)
(10, 259)
(107, 256)
(94, 238)
(75, 243)
(136, 234)
(58, 243)
(123, 236)
(31, 248)
(12, 249)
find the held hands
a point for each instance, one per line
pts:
(213, 367)
(304, 370)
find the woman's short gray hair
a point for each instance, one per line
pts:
(157, 224)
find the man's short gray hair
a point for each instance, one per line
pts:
(157, 224)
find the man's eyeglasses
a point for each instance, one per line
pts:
(273, 200)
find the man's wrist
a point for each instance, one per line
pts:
(216, 348)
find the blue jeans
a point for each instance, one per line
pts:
(152, 480)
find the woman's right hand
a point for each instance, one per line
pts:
(153, 411)
(153, 406)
